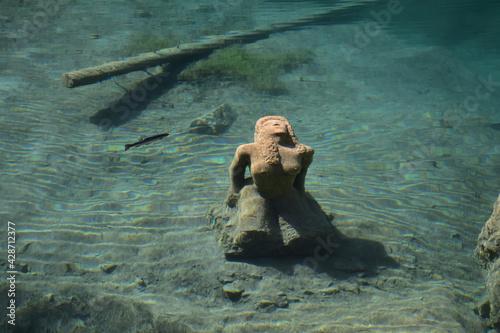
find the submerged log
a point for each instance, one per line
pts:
(193, 51)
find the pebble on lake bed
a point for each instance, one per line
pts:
(233, 291)
(108, 268)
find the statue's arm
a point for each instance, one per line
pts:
(237, 173)
(300, 179)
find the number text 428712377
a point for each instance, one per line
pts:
(11, 259)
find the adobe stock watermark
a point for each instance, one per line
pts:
(454, 118)
(30, 27)
(131, 100)
(364, 33)
(11, 271)
(322, 252)
(471, 102)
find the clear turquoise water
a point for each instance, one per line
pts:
(405, 132)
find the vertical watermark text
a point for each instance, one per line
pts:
(11, 279)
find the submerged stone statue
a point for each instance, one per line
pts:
(270, 213)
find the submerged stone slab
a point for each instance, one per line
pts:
(488, 255)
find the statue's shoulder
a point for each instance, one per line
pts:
(309, 151)
(246, 149)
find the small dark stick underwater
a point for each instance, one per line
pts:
(146, 141)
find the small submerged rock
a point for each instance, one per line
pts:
(108, 268)
(330, 291)
(215, 122)
(271, 305)
(351, 287)
(24, 268)
(226, 279)
(233, 291)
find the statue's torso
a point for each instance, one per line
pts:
(272, 180)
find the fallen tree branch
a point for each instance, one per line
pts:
(182, 53)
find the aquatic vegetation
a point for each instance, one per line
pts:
(261, 71)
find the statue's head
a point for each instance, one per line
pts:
(268, 126)
(271, 125)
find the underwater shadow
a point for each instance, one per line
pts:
(348, 258)
(357, 255)
(134, 101)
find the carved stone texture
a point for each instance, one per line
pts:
(270, 213)
(488, 253)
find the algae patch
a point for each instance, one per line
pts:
(235, 63)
